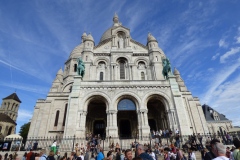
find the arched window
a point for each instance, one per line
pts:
(142, 76)
(86, 58)
(126, 104)
(122, 69)
(10, 130)
(75, 67)
(56, 118)
(65, 114)
(13, 106)
(0, 129)
(101, 76)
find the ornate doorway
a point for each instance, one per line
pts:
(127, 118)
(157, 116)
(96, 119)
(99, 127)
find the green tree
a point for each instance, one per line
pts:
(24, 131)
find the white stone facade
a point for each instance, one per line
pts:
(118, 68)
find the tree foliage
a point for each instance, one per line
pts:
(24, 131)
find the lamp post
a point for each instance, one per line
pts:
(73, 142)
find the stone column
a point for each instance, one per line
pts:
(145, 129)
(112, 129)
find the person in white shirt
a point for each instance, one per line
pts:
(191, 154)
(54, 146)
(152, 154)
(220, 151)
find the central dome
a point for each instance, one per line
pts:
(107, 34)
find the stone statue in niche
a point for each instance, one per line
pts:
(141, 65)
(120, 41)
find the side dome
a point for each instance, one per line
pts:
(77, 51)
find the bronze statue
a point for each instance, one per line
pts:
(166, 67)
(80, 67)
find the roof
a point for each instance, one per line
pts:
(6, 118)
(208, 114)
(14, 97)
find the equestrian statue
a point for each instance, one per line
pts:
(80, 67)
(166, 68)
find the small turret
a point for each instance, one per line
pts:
(151, 41)
(88, 43)
(89, 37)
(176, 72)
(84, 36)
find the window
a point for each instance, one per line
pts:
(12, 106)
(142, 76)
(122, 70)
(65, 113)
(75, 67)
(0, 129)
(101, 76)
(56, 119)
(86, 58)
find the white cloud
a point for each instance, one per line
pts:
(215, 56)
(26, 87)
(210, 70)
(222, 43)
(217, 81)
(229, 53)
(24, 115)
(225, 99)
(238, 40)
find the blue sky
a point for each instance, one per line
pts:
(201, 39)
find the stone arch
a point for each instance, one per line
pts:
(163, 97)
(121, 30)
(92, 95)
(129, 95)
(158, 107)
(119, 57)
(67, 85)
(97, 60)
(136, 61)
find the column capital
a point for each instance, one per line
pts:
(112, 112)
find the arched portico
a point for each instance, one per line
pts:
(96, 118)
(157, 114)
(159, 111)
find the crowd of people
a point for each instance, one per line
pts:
(156, 150)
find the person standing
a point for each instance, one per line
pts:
(191, 154)
(142, 154)
(54, 147)
(236, 151)
(128, 154)
(219, 151)
(100, 155)
(43, 155)
(210, 155)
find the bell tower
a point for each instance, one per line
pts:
(10, 106)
